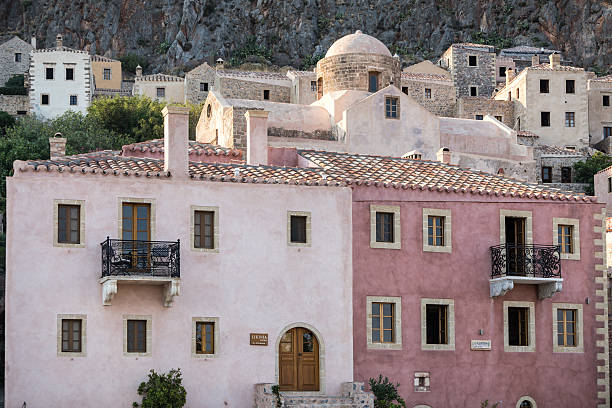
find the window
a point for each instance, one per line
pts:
(385, 227)
(205, 338)
(526, 402)
(568, 327)
(208, 110)
(69, 223)
(473, 91)
(546, 174)
(373, 81)
(391, 108)
(570, 120)
(437, 324)
(609, 184)
(44, 99)
(136, 336)
(49, 73)
(384, 322)
(479, 117)
(20, 112)
(427, 93)
(17, 57)
(566, 174)
(405, 89)
(313, 86)
(71, 335)
(566, 235)
(502, 71)
(517, 93)
(519, 326)
(204, 229)
(473, 61)
(545, 119)
(499, 118)
(421, 383)
(298, 228)
(107, 74)
(606, 100)
(607, 131)
(435, 230)
(266, 94)
(204, 86)
(73, 100)
(544, 85)
(565, 238)
(570, 86)
(69, 74)
(161, 92)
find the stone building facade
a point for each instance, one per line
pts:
(168, 88)
(253, 85)
(600, 111)
(14, 58)
(523, 56)
(478, 108)
(15, 105)
(198, 82)
(472, 68)
(434, 92)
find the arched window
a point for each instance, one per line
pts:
(208, 111)
(526, 402)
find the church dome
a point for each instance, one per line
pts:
(358, 43)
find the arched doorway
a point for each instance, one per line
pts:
(298, 360)
(319, 88)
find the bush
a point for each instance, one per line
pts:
(586, 170)
(163, 47)
(6, 121)
(129, 62)
(16, 81)
(386, 393)
(5, 90)
(162, 390)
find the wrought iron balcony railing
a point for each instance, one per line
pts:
(141, 258)
(537, 261)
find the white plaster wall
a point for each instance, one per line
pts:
(256, 283)
(59, 89)
(599, 115)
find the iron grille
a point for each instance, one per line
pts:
(121, 257)
(538, 261)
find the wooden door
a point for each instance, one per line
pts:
(298, 361)
(515, 240)
(136, 226)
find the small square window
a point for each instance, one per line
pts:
(204, 86)
(107, 74)
(266, 94)
(473, 91)
(73, 100)
(570, 119)
(427, 93)
(161, 92)
(17, 57)
(437, 324)
(567, 328)
(606, 100)
(391, 105)
(499, 118)
(49, 74)
(383, 322)
(69, 224)
(205, 338)
(384, 227)
(607, 132)
(136, 336)
(570, 86)
(502, 71)
(473, 61)
(383, 318)
(69, 74)
(44, 99)
(566, 174)
(544, 85)
(71, 335)
(518, 326)
(479, 117)
(204, 229)
(313, 86)
(405, 90)
(546, 174)
(565, 238)
(435, 230)
(298, 229)
(545, 119)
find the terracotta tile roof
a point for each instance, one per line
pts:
(422, 76)
(100, 58)
(159, 78)
(252, 74)
(558, 151)
(546, 67)
(302, 73)
(607, 78)
(526, 133)
(427, 175)
(484, 47)
(62, 48)
(157, 146)
(525, 49)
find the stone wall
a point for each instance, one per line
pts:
(469, 107)
(350, 71)
(15, 104)
(556, 162)
(193, 79)
(353, 396)
(8, 66)
(243, 89)
(442, 100)
(317, 135)
(464, 76)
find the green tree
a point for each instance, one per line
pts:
(6, 121)
(386, 393)
(85, 134)
(129, 62)
(162, 390)
(587, 169)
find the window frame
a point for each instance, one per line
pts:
(52, 70)
(575, 223)
(604, 99)
(83, 319)
(475, 88)
(544, 86)
(18, 57)
(470, 56)
(81, 205)
(376, 74)
(266, 92)
(502, 73)
(42, 99)
(201, 230)
(216, 337)
(148, 335)
(308, 216)
(427, 93)
(578, 329)
(608, 130)
(478, 117)
(381, 327)
(542, 121)
(570, 89)
(76, 100)
(570, 119)
(548, 179)
(163, 92)
(215, 211)
(66, 73)
(204, 87)
(397, 234)
(397, 323)
(104, 76)
(531, 333)
(566, 172)
(450, 324)
(389, 107)
(447, 247)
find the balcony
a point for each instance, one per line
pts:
(525, 264)
(140, 262)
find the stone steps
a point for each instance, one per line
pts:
(353, 396)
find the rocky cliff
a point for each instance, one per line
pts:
(175, 35)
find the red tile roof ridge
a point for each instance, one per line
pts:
(195, 147)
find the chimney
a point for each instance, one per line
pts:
(176, 141)
(33, 42)
(555, 60)
(535, 60)
(444, 155)
(220, 63)
(509, 75)
(138, 71)
(57, 147)
(59, 41)
(257, 137)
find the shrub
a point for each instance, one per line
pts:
(129, 62)
(5, 90)
(386, 393)
(16, 81)
(162, 390)
(6, 121)
(163, 47)
(586, 170)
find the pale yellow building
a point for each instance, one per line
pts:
(106, 72)
(551, 101)
(166, 88)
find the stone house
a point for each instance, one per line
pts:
(522, 56)
(470, 107)
(107, 73)
(253, 85)
(14, 58)
(472, 68)
(60, 80)
(503, 64)
(600, 112)
(550, 100)
(15, 105)
(434, 92)
(303, 87)
(167, 88)
(198, 82)
(427, 67)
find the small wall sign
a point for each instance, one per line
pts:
(259, 339)
(481, 345)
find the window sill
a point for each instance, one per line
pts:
(437, 347)
(438, 248)
(519, 349)
(384, 346)
(385, 245)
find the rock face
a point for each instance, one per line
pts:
(175, 35)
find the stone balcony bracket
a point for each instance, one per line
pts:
(547, 287)
(110, 286)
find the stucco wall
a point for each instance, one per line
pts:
(599, 115)
(465, 378)
(255, 284)
(303, 87)
(174, 90)
(97, 69)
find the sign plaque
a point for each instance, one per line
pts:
(481, 345)
(259, 339)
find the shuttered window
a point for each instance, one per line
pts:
(136, 336)
(204, 229)
(71, 335)
(69, 224)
